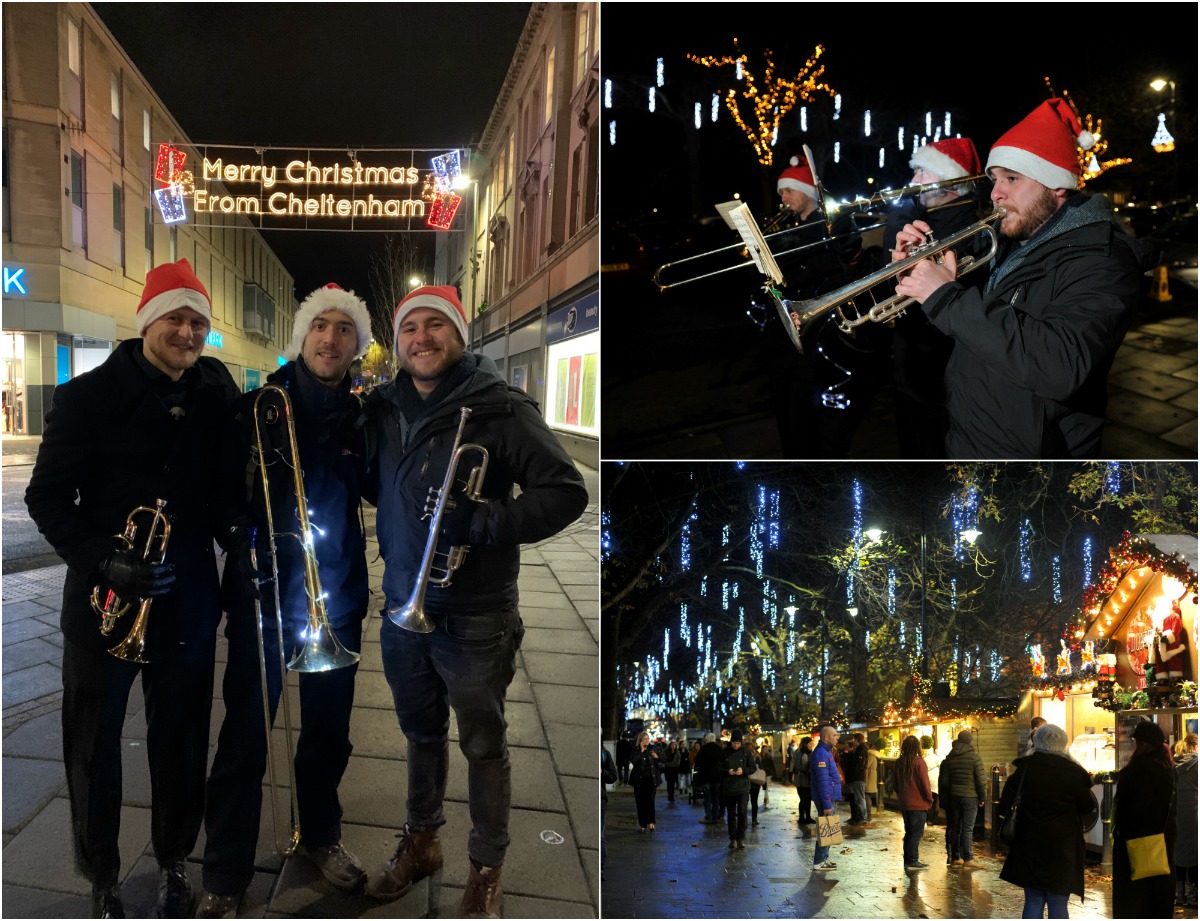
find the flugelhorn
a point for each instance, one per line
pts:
(133, 647)
(411, 615)
(814, 309)
(321, 651)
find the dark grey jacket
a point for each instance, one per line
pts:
(1028, 375)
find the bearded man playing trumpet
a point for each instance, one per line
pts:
(452, 629)
(293, 472)
(140, 430)
(1028, 376)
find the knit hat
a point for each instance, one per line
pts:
(1149, 732)
(952, 158)
(331, 297)
(1042, 146)
(798, 176)
(169, 287)
(967, 737)
(442, 298)
(735, 735)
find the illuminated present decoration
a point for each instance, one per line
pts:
(185, 180)
(171, 161)
(170, 204)
(442, 211)
(447, 170)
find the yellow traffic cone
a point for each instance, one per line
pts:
(1160, 292)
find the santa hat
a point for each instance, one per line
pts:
(169, 287)
(442, 298)
(798, 176)
(1042, 146)
(952, 158)
(331, 297)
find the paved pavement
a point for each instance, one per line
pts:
(719, 408)
(685, 870)
(552, 864)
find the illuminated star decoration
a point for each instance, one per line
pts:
(176, 182)
(770, 99)
(1090, 163)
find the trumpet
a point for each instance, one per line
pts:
(812, 310)
(411, 615)
(133, 647)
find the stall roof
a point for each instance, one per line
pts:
(1138, 582)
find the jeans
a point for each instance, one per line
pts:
(712, 800)
(858, 800)
(234, 793)
(965, 810)
(821, 854)
(735, 807)
(1037, 899)
(466, 663)
(914, 827)
(951, 830)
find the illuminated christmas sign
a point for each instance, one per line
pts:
(280, 187)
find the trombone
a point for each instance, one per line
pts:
(321, 651)
(133, 647)
(811, 311)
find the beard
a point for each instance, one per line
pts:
(1026, 222)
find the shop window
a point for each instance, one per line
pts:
(12, 357)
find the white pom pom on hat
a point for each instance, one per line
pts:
(330, 297)
(169, 287)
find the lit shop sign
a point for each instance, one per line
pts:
(12, 281)
(285, 186)
(215, 339)
(581, 316)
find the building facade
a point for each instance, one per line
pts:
(81, 132)
(528, 262)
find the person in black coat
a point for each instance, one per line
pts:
(1047, 857)
(332, 329)
(624, 756)
(142, 427)
(644, 776)
(1145, 805)
(709, 761)
(608, 776)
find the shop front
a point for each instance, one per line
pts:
(573, 371)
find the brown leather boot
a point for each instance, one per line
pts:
(418, 855)
(481, 899)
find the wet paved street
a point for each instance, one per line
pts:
(685, 869)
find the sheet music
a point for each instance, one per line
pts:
(737, 215)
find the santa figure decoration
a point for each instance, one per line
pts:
(1172, 642)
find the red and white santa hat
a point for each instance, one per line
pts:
(1042, 146)
(169, 287)
(442, 298)
(331, 297)
(798, 176)
(951, 158)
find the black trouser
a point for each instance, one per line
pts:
(177, 688)
(672, 780)
(322, 751)
(805, 803)
(643, 797)
(735, 807)
(754, 791)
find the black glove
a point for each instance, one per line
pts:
(239, 574)
(457, 519)
(132, 578)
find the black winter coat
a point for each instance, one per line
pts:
(1049, 850)
(646, 770)
(1028, 375)
(709, 761)
(414, 455)
(110, 436)
(331, 435)
(741, 757)
(1145, 805)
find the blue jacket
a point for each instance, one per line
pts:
(826, 784)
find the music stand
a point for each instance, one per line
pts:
(737, 215)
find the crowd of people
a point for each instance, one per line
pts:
(157, 447)
(1048, 796)
(1009, 359)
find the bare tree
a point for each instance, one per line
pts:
(397, 259)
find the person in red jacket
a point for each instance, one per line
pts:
(915, 797)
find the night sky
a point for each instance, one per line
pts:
(985, 66)
(403, 75)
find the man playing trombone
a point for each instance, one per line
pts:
(140, 430)
(449, 639)
(1027, 378)
(295, 458)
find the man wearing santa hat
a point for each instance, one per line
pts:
(1028, 376)
(468, 660)
(332, 329)
(142, 427)
(920, 352)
